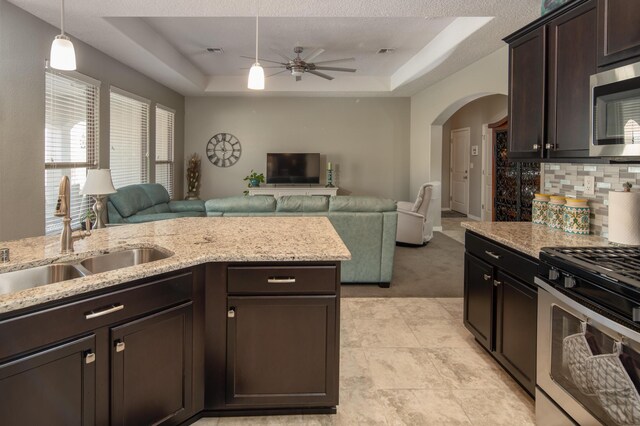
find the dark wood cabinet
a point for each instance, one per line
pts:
(55, 386)
(281, 351)
(516, 314)
(618, 31)
(478, 299)
(571, 62)
(151, 368)
(527, 65)
(500, 305)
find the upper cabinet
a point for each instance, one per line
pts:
(618, 31)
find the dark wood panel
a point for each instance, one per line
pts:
(572, 60)
(152, 373)
(282, 279)
(618, 31)
(516, 319)
(52, 387)
(479, 299)
(527, 95)
(281, 351)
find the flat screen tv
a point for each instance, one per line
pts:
(293, 168)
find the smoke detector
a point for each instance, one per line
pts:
(385, 50)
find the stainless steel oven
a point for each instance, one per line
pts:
(615, 112)
(587, 363)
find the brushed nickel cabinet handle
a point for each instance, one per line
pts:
(282, 280)
(487, 277)
(120, 346)
(492, 254)
(496, 283)
(536, 147)
(109, 310)
(231, 313)
(89, 358)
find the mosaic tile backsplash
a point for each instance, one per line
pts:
(568, 179)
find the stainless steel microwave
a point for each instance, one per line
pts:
(615, 113)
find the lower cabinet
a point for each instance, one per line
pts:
(53, 387)
(281, 351)
(500, 306)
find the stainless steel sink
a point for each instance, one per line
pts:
(122, 259)
(34, 277)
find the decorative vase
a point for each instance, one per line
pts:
(254, 183)
(540, 205)
(192, 196)
(555, 212)
(576, 216)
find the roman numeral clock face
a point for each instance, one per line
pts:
(224, 150)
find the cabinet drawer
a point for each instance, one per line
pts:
(281, 279)
(27, 332)
(506, 259)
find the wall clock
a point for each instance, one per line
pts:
(224, 150)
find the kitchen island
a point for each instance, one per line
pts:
(242, 317)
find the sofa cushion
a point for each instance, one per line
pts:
(302, 203)
(130, 199)
(344, 203)
(186, 206)
(156, 192)
(158, 208)
(141, 218)
(242, 204)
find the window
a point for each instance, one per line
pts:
(71, 141)
(128, 138)
(164, 147)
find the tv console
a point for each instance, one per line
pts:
(279, 191)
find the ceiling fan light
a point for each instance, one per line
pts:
(63, 55)
(256, 77)
(297, 71)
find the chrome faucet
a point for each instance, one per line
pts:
(63, 209)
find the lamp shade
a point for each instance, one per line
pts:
(256, 77)
(63, 55)
(98, 182)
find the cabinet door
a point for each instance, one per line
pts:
(526, 95)
(572, 60)
(282, 351)
(618, 30)
(478, 299)
(516, 316)
(151, 368)
(52, 387)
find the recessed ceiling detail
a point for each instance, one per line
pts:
(170, 41)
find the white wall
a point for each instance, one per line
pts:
(485, 110)
(24, 45)
(367, 138)
(432, 107)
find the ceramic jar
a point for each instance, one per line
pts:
(576, 216)
(539, 209)
(555, 212)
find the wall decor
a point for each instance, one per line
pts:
(193, 177)
(224, 150)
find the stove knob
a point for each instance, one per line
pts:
(569, 282)
(554, 274)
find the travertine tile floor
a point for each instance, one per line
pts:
(452, 229)
(410, 361)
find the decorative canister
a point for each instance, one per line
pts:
(539, 209)
(576, 216)
(555, 212)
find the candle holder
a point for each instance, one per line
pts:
(329, 179)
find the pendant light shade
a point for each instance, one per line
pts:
(256, 73)
(63, 55)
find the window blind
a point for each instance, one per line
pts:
(165, 119)
(71, 141)
(129, 131)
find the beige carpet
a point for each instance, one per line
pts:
(435, 270)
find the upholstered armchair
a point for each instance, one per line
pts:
(415, 227)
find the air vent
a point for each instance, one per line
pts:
(216, 50)
(386, 50)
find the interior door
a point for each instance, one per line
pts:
(460, 140)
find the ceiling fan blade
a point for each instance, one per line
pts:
(335, 69)
(262, 60)
(313, 55)
(298, 78)
(285, 57)
(335, 60)
(276, 73)
(319, 74)
(268, 66)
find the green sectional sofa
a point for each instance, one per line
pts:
(149, 202)
(367, 225)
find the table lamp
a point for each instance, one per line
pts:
(98, 184)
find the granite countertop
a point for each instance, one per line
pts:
(529, 238)
(192, 241)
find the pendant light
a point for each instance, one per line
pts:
(63, 55)
(256, 73)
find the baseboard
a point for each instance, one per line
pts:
(474, 218)
(437, 228)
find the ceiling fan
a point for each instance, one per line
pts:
(297, 66)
